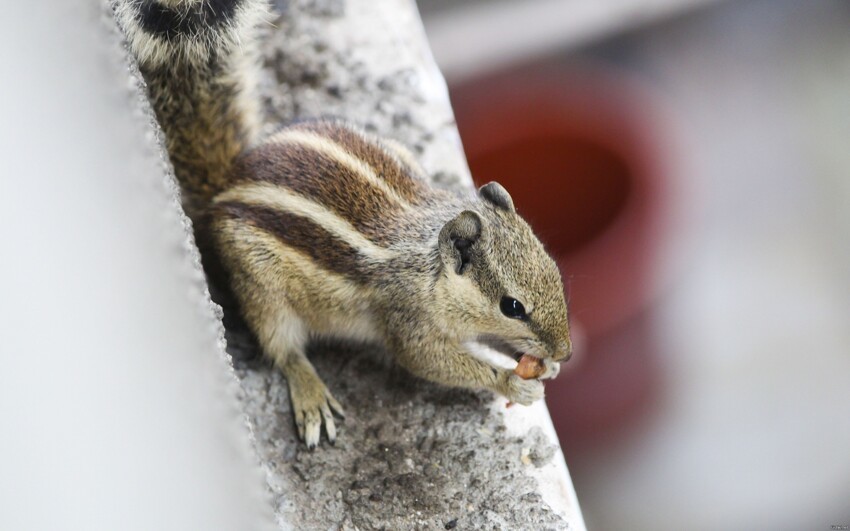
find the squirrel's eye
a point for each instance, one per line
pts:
(512, 308)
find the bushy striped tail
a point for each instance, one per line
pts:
(199, 61)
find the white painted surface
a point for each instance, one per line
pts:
(554, 480)
(117, 407)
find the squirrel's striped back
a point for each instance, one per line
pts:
(335, 194)
(326, 231)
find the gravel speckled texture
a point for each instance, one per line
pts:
(367, 62)
(410, 454)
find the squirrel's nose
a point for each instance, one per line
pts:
(564, 351)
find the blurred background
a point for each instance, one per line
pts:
(688, 162)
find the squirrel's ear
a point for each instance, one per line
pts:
(496, 194)
(457, 239)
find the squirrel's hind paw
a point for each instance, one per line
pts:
(313, 405)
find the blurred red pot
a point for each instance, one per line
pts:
(580, 153)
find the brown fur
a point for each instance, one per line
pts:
(205, 130)
(324, 230)
(412, 293)
(201, 83)
(322, 180)
(403, 178)
(310, 239)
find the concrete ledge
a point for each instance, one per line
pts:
(411, 454)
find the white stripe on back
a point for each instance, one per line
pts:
(337, 153)
(279, 198)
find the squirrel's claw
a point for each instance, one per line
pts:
(330, 427)
(312, 428)
(335, 406)
(553, 368)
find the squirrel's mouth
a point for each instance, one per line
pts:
(501, 353)
(495, 351)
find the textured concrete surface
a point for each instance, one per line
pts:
(410, 455)
(367, 62)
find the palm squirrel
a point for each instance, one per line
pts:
(324, 230)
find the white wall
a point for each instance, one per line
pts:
(115, 410)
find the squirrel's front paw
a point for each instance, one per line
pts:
(313, 405)
(521, 391)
